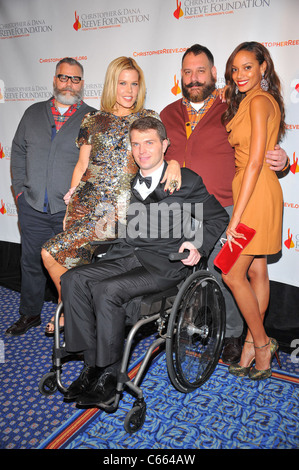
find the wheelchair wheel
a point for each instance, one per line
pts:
(195, 332)
(48, 384)
(135, 417)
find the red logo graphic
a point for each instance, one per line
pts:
(175, 90)
(2, 208)
(289, 241)
(77, 24)
(297, 87)
(2, 154)
(178, 13)
(294, 168)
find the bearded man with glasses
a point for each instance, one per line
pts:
(43, 157)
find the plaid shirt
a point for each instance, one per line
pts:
(196, 116)
(60, 119)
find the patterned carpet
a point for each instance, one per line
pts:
(225, 413)
(27, 417)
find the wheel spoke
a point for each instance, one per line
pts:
(195, 332)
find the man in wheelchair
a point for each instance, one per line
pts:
(158, 223)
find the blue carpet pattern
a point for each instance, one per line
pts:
(225, 413)
(27, 417)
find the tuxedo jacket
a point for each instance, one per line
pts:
(158, 225)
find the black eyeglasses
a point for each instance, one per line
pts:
(65, 78)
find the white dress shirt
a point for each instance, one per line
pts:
(143, 190)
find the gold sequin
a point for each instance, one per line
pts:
(99, 202)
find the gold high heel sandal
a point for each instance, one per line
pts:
(256, 374)
(240, 371)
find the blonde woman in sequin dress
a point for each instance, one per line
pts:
(100, 187)
(255, 122)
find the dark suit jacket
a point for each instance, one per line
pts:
(159, 225)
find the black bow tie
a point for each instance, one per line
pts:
(147, 180)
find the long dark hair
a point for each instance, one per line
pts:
(233, 100)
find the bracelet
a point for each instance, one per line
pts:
(286, 165)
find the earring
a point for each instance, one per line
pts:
(264, 84)
(236, 90)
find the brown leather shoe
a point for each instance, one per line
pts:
(22, 325)
(232, 350)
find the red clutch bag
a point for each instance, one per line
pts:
(226, 258)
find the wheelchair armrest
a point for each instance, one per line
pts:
(202, 264)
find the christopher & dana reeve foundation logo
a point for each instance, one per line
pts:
(24, 93)
(2, 207)
(5, 152)
(188, 9)
(24, 28)
(294, 97)
(2, 91)
(2, 153)
(8, 208)
(109, 18)
(294, 167)
(292, 240)
(176, 90)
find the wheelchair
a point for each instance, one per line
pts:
(189, 320)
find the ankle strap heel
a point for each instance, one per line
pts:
(256, 374)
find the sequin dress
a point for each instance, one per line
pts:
(98, 206)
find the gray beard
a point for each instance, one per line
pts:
(67, 100)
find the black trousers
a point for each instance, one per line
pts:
(93, 297)
(36, 228)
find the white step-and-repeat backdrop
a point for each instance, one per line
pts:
(35, 34)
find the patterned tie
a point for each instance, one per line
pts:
(147, 180)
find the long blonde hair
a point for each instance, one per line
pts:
(108, 98)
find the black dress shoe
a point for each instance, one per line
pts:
(83, 383)
(102, 391)
(22, 325)
(232, 350)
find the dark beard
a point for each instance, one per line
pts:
(201, 94)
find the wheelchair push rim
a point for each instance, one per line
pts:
(195, 332)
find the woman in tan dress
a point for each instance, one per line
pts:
(100, 186)
(255, 122)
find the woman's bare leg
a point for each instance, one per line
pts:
(55, 271)
(252, 297)
(259, 281)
